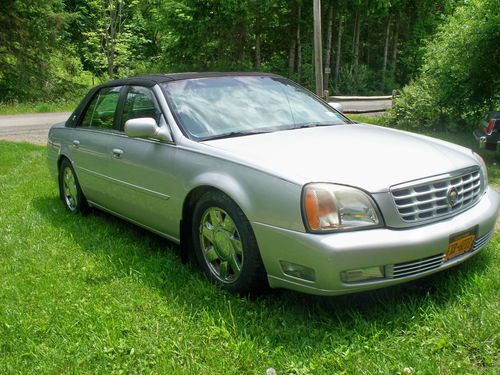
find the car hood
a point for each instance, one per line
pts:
(366, 156)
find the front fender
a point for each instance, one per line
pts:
(262, 197)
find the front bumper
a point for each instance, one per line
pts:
(485, 140)
(331, 254)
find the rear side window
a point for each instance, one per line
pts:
(101, 111)
(140, 102)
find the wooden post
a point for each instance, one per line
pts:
(318, 55)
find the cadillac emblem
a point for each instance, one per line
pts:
(452, 196)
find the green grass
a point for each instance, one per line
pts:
(37, 107)
(94, 294)
(364, 118)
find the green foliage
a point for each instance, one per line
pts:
(464, 58)
(359, 80)
(460, 78)
(416, 108)
(28, 31)
(112, 36)
(58, 48)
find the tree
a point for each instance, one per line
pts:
(113, 34)
(28, 36)
(460, 78)
(370, 46)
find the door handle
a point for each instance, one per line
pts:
(76, 143)
(117, 153)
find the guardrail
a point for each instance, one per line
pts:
(363, 104)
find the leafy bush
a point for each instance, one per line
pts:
(358, 81)
(416, 107)
(460, 77)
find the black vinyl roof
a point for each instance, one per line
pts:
(153, 79)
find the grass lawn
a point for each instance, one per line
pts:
(94, 294)
(37, 107)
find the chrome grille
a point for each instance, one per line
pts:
(414, 267)
(429, 200)
(482, 241)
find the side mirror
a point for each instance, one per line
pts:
(146, 127)
(339, 107)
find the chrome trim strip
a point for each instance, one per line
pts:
(139, 189)
(434, 179)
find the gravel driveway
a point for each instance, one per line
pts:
(31, 128)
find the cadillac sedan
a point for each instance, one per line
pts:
(266, 184)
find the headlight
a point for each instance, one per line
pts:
(483, 167)
(330, 207)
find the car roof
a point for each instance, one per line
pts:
(153, 79)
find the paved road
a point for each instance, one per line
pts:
(32, 128)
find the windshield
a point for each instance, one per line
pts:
(219, 107)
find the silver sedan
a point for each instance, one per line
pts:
(267, 185)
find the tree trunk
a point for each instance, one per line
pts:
(356, 42)
(111, 41)
(337, 58)
(386, 49)
(257, 40)
(291, 58)
(328, 54)
(354, 32)
(113, 13)
(299, 45)
(395, 49)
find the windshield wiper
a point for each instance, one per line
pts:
(237, 134)
(312, 125)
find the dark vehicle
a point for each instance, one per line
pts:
(488, 134)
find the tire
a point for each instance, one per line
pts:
(225, 245)
(69, 188)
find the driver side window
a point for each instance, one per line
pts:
(140, 102)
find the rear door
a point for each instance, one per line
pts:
(90, 142)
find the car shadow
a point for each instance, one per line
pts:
(124, 247)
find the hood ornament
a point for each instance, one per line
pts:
(452, 196)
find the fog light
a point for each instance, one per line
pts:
(297, 270)
(363, 274)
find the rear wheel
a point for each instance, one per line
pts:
(225, 244)
(69, 188)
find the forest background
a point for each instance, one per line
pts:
(441, 55)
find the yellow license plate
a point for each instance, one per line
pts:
(459, 245)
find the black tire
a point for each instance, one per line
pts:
(70, 190)
(223, 245)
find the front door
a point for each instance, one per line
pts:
(142, 168)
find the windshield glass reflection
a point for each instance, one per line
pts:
(237, 105)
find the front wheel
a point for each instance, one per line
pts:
(225, 244)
